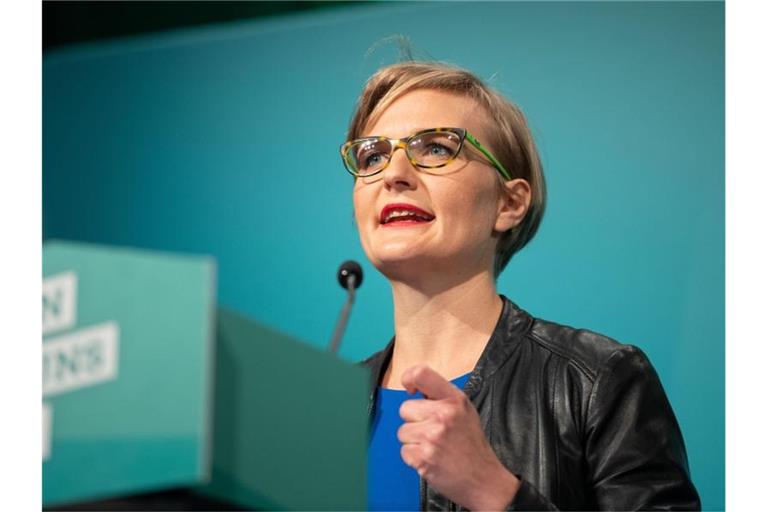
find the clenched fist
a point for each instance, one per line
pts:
(444, 442)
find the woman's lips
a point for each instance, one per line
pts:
(404, 215)
(405, 223)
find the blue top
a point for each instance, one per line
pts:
(392, 485)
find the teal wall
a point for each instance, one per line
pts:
(223, 141)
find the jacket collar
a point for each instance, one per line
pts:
(512, 324)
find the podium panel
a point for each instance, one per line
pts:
(291, 422)
(127, 371)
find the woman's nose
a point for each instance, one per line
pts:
(400, 173)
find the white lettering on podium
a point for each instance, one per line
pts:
(59, 302)
(81, 358)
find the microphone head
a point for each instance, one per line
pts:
(346, 270)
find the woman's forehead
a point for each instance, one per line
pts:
(427, 108)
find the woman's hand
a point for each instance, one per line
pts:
(444, 442)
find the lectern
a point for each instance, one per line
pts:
(149, 385)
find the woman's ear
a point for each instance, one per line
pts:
(514, 201)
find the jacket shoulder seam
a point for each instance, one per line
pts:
(609, 365)
(591, 375)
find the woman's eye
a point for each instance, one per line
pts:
(437, 150)
(372, 159)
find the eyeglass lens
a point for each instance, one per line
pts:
(431, 149)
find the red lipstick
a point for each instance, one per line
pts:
(403, 214)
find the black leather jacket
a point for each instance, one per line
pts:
(582, 420)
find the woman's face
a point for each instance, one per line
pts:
(462, 200)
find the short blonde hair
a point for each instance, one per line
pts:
(509, 138)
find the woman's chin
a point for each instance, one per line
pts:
(407, 266)
(397, 261)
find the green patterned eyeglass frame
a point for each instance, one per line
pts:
(404, 144)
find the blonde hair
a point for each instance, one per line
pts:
(509, 138)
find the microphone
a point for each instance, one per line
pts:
(350, 277)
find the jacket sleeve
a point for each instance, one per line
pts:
(634, 449)
(528, 498)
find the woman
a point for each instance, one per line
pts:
(492, 408)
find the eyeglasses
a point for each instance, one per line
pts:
(428, 149)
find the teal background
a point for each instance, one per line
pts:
(150, 428)
(223, 140)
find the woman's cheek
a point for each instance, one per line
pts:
(365, 232)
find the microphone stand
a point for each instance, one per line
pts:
(341, 323)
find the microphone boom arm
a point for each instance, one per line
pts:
(341, 323)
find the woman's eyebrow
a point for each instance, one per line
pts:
(411, 132)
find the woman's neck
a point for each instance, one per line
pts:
(445, 327)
